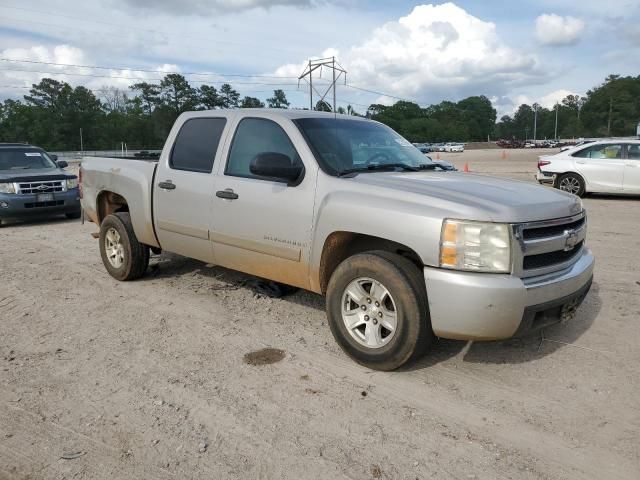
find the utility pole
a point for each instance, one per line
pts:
(81, 145)
(535, 120)
(555, 134)
(312, 66)
(610, 112)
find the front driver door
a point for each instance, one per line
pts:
(602, 166)
(262, 226)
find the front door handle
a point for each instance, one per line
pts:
(581, 162)
(168, 185)
(631, 165)
(227, 194)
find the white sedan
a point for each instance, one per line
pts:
(609, 166)
(453, 147)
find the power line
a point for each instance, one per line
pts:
(136, 78)
(100, 67)
(128, 28)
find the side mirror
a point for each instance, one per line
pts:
(277, 166)
(54, 157)
(62, 164)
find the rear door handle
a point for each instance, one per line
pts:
(168, 185)
(228, 194)
(581, 162)
(631, 165)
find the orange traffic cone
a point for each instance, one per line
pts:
(504, 155)
(466, 167)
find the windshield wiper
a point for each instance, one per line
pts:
(379, 167)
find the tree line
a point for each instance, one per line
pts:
(610, 109)
(53, 113)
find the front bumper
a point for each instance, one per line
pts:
(20, 206)
(478, 306)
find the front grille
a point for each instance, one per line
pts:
(55, 203)
(30, 188)
(543, 260)
(553, 230)
(549, 246)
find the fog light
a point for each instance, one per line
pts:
(4, 205)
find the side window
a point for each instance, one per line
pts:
(254, 136)
(601, 151)
(196, 144)
(633, 152)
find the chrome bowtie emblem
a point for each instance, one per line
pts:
(571, 239)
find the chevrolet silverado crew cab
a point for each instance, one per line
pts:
(345, 207)
(32, 182)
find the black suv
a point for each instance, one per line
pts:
(32, 182)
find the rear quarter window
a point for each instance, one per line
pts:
(196, 144)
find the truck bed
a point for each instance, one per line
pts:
(132, 179)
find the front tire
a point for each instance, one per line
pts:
(378, 311)
(72, 215)
(572, 183)
(122, 255)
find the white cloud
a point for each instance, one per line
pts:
(550, 99)
(508, 104)
(552, 29)
(436, 51)
(24, 74)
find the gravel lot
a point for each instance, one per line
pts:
(148, 379)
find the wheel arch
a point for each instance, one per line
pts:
(340, 245)
(108, 202)
(572, 172)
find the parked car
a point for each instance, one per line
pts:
(610, 166)
(32, 182)
(345, 207)
(453, 147)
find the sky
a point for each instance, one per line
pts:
(512, 52)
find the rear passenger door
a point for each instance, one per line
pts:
(632, 169)
(183, 188)
(602, 166)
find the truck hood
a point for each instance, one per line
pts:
(479, 197)
(29, 175)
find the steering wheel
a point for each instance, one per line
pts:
(378, 155)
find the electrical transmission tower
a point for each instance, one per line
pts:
(321, 63)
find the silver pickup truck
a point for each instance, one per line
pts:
(403, 249)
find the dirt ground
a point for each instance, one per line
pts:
(151, 379)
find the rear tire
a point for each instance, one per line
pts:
(571, 183)
(122, 255)
(359, 325)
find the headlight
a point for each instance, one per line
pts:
(72, 183)
(475, 246)
(7, 188)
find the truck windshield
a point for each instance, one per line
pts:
(24, 158)
(345, 146)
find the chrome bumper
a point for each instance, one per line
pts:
(478, 306)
